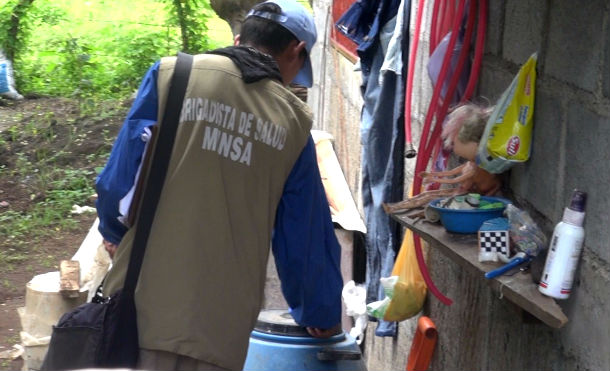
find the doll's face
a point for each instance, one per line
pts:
(466, 150)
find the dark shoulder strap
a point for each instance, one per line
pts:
(158, 169)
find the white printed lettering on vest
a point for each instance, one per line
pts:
(185, 110)
(187, 107)
(204, 111)
(271, 134)
(225, 116)
(259, 129)
(227, 145)
(246, 154)
(211, 112)
(245, 123)
(210, 138)
(199, 109)
(219, 109)
(231, 124)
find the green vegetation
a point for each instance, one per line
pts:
(101, 48)
(94, 53)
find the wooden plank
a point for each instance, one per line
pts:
(463, 249)
(69, 278)
(344, 51)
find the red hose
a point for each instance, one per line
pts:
(422, 161)
(455, 79)
(433, 148)
(478, 57)
(410, 152)
(440, 27)
(476, 66)
(426, 144)
(433, 25)
(448, 18)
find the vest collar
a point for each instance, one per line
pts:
(253, 64)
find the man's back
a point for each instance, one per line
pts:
(203, 274)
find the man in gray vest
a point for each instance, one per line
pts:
(242, 175)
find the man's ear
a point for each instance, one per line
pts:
(236, 40)
(299, 47)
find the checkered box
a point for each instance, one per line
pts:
(494, 241)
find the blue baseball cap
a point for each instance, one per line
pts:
(296, 19)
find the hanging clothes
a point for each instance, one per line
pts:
(393, 57)
(382, 139)
(362, 23)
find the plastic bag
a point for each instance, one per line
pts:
(508, 133)
(405, 289)
(7, 84)
(525, 234)
(354, 297)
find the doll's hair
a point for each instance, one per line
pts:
(466, 122)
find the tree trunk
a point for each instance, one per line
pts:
(183, 27)
(18, 12)
(233, 11)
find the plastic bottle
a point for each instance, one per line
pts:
(564, 251)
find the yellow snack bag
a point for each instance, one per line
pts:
(508, 133)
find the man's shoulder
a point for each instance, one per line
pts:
(201, 61)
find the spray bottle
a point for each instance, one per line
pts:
(564, 251)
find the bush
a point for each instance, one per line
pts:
(98, 49)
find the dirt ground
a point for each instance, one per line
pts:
(78, 136)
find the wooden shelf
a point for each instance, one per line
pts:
(463, 249)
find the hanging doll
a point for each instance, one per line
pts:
(461, 134)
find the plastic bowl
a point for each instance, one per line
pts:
(467, 221)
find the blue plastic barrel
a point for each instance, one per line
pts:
(279, 344)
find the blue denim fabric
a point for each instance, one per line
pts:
(382, 138)
(362, 23)
(356, 22)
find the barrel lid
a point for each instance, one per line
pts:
(278, 322)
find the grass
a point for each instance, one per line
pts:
(50, 160)
(99, 47)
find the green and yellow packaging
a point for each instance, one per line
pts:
(508, 133)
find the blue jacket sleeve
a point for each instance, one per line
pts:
(118, 176)
(306, 250)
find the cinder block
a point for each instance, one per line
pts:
(493, 82)
(493, 37)
(575, 42)
(606, 69)
(523, 30)
(587, 168)
(587, 332)
(536, 179)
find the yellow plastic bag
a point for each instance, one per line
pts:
(410, 291)
(508, 134)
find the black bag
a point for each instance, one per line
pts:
(104, 333)
(97, 334)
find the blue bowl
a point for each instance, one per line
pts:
(467, 221)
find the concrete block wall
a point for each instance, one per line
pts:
(481, 331)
